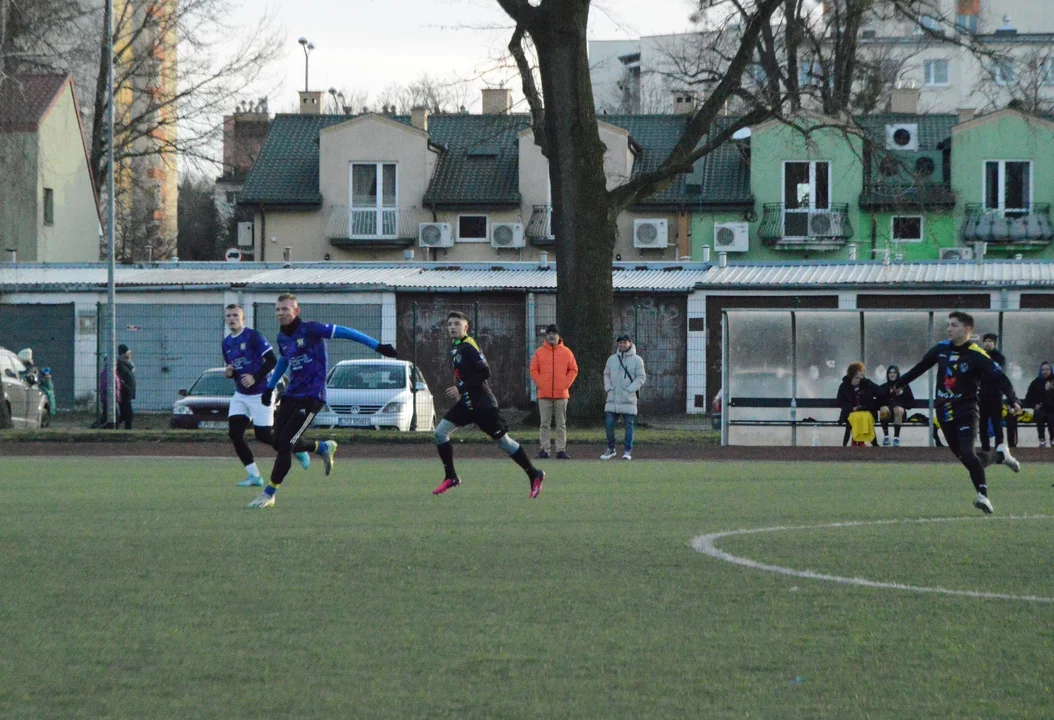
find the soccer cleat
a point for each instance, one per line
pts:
(896, 442)
(263, 500)
(562, 455)
(328, 450)
(627, 456)
(983, 504)
(304, 459)
(886, 441)
(543, 455)
(446, 485)
(252, 481)
(1009, 460)
(608, 454)
(536, 485)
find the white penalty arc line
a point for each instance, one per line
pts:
(706, 544)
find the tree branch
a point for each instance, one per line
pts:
(530, 89)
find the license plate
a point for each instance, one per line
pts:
(213, 424)
(354, 422)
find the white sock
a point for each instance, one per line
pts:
(252, 470)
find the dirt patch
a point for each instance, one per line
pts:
(425, 451)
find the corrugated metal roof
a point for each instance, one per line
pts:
(660, 277)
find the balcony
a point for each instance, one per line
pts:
(1017, 229)
(784, 228)
(907, 196)
(384, 227)
(540, 227)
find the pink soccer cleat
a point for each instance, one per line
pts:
(446, 485)
(536, 485)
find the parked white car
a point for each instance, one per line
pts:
(376, 394)
(27, 405)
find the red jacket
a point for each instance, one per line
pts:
(553, 369)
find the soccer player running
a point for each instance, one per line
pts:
(249, 359)
(475, 404)
(960, 366)
(302, 346)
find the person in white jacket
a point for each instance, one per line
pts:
(623, 377)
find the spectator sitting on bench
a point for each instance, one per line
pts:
(896, 402)
(856, 393)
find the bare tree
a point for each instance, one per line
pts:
(436, 95)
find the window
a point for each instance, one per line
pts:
(1046, 72)
(810, 74)
(1008, 187)
(907, 228)
(374, 201)
(232, 197)
(49, 206)
(472, 228)
(1003, 71)
(927, 22)
(936, 72)
(967, 23)
(806, 189)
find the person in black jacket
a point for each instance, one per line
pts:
(126, 376)
(896, 403)
(1040, 397)
(856, 393)
(991, 402)
(475, 404)
(960, 366)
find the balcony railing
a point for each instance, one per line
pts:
(907, 196)
(786, 228)
(1016, 228)
(375, 227)
(540, 227)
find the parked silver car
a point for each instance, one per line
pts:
(26, 404)
(377, 394)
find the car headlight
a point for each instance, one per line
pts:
(181, 410)
(393, 408)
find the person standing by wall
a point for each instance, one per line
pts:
(553, 369)
(126, 376)
(991, 400)
(1040, 398)
(623, 376)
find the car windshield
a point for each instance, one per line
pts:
(212, 383)
(368, 377)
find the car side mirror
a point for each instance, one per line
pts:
(182, 392)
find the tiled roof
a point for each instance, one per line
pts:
(26, 99)
(480, 163)
(286, 170)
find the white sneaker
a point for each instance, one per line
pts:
(263, 500)
(983, 504)
(608, 454)
(1009, 460)
(1044, 443)
(627, 456)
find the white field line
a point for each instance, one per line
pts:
(706, 544)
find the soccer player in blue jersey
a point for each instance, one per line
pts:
(249, 359)
(302, 346)
(961, 366)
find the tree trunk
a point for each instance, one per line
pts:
(583, 218)
(99, 130)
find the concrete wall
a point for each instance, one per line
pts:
(74, 236)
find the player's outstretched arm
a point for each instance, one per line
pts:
(347, 333)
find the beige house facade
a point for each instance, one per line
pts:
(48, 204)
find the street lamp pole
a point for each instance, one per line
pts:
(308, 47)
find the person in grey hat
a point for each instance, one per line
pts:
(623, 377)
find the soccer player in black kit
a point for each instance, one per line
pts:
(475, 404)
(960, 366)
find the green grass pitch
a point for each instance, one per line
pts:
(146, 589)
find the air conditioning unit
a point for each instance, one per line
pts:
(650, 234)
(731, 237)
(957, 253)
(431, 235)
(902, 136)
(825, 225)
(245, 234)
(506, 235)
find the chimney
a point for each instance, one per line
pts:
(419, 118)
(905, 100)
(310, 102)
(966, 114)
(12, 255)
(497, 101)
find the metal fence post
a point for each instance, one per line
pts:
(724, 379)
(413, 370)
(794, 380)
(532, 321)
(929, 376)
(475, 319)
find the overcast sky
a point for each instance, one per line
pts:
(368, 44)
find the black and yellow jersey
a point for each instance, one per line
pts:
(960, 370)
(472, 373)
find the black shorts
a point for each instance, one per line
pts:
(293, 418)
(489, 420)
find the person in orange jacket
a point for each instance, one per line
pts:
(553, 369)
